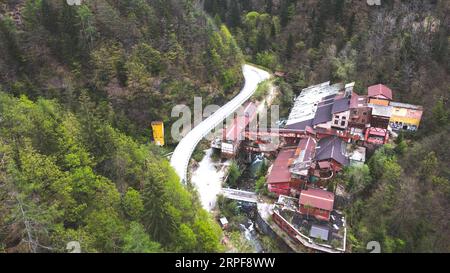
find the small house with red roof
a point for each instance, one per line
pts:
(379, 94)
(316, 202)
(279, 180)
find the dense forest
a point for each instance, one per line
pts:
(400, 198)
(137, 59)
(79, 86)
(73, 177)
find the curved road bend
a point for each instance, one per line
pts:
(183, 152)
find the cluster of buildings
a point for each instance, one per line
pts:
(312, 162)
(338, 107)
(330, 127)
(339, 125)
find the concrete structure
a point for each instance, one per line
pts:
(223, 222)
(238, 195)
(319, 232)
(358, 156)
(360, 114)
(341, 113)
(380, 115)
(378, 133)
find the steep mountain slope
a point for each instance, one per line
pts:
(401, 43)
(73, 177)
(140, 57)
(79, 86)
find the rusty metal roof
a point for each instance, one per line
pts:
(280, 170)
(378, 90)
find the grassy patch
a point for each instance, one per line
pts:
(262, 90)
(199, 151)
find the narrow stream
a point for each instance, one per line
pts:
(252, 237)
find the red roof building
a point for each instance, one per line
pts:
(234, 134)
(279, 180)
(380, 91)
(316, 202)
(291, 168)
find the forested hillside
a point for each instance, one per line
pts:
(137, 58)
(79, 86)
(73, 177)
(401, 197)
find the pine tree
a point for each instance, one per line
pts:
(289, 47)
(235, 15)
(269, 6)
(261, 41)
(273, 30)
(338, 10)
(284, 13)
(440, 114)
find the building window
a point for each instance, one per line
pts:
(344, 118)
(336, 122)
(343, 123)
